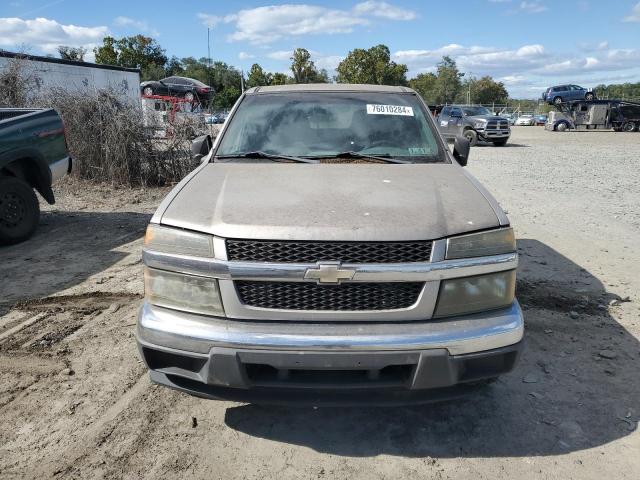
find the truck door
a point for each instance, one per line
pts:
(455, 122)
(443, 120)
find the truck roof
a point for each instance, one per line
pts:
(329, 87)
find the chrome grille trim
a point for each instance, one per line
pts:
(384, 272)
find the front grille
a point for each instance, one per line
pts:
(289, 251)
(311, 296)
(497, 125)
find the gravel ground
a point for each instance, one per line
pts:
(75, 402)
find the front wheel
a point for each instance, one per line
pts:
(500, 143)
(589, 96)
(629, 126)
(472, 136)
(147, 91)
(557, 100)
(19, 211)
(562, 127)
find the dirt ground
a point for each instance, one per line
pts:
(76, 402)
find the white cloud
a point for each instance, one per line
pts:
(267, 24)
(245, 56)
(534, 6)
(46, 35)
(635, 14)
(213, 20)
(140, 25)
(280, 54)
(384, 10)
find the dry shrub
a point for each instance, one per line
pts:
(17, 84)
(106, 134)
(111, 143)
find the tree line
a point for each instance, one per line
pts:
(374, 66)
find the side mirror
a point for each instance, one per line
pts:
(201, 146)
(461, 147)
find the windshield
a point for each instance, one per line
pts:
(325, 124)
(472, 111)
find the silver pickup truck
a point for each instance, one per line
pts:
(474, 122)
(329, 249)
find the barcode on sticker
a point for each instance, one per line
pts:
(389, 110)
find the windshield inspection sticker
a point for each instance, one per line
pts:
(389, 110)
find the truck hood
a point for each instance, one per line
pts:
(346, 202)
(487, 117)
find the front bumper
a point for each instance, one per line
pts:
(327, 363)
(490, 135)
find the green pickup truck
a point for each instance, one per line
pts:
(33, 155)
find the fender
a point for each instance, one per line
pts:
(37, 169)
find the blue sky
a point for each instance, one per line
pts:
(527, 44)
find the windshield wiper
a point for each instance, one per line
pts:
(271, 156)
(384, 157)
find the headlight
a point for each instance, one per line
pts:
(479, 124)
(178, 241)
(466, 295)
(182, 292)
(492, 242)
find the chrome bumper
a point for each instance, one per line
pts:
(188, 332)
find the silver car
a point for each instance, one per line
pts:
(329, 249)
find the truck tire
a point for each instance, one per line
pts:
(562, 127)
(589, 96)
(557, 100)
(472, 136)
(629, 127)
(19, 210)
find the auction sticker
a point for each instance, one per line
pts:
(389, 110)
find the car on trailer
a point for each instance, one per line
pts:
(567, 93)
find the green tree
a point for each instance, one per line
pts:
(304, 69)
(136, 51)
(107, 54)
(152, 72)
(448, 83)
(424, 84)
(173, 67)
(258, 77)
(483, 90)
(72, 53)
(373, 66)
(279, 78)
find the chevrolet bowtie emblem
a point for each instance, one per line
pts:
(329, 273)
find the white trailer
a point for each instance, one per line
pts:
(48, 72)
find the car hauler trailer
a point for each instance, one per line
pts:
(596, 114)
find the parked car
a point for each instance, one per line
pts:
(188, 88)
(541, 119)
(526, 120)
(475, 123)
(329, 248)
(565, 93)
(33, 155)
(215, 118)
(511, 117)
